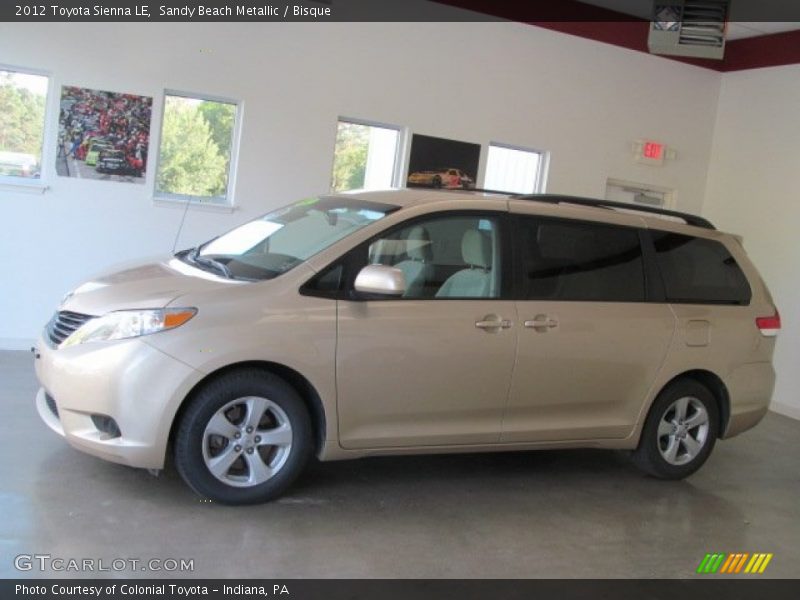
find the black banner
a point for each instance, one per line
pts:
(409, 589)
(363, 10)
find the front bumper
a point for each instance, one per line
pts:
(135, 384)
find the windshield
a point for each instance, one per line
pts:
(280, 240)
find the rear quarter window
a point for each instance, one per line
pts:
(699, 271)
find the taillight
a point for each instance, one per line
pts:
(769, 326)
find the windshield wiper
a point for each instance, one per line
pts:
(195, 257)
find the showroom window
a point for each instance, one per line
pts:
(197, 152)
(23, 105)
(365, 157)
(515, 170)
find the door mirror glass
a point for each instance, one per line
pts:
(380, 279)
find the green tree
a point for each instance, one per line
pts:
(21, 118)
(190, 162)
(350, 157)
(220, 117)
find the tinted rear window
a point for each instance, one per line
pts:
(699, 271)
(574, 260)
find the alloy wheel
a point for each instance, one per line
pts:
(683, 431)
(247, 441)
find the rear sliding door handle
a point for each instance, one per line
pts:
(490, 323)
(541, 323)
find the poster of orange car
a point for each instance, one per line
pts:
(442, 163)
(442, 178)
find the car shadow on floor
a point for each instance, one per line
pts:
(365, 480)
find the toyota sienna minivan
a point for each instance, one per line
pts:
(415, 321)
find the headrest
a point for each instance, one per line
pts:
(476, 249)
(418, 244)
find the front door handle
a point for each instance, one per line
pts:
(542, 323)
(491, 323)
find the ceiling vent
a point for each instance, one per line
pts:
(642, 198)
(689, 28)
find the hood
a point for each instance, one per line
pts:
(152, 284)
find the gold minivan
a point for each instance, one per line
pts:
(415, 321)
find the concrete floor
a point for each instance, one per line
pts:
(545, 514)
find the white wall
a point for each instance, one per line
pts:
(581, 100)
(754, 190)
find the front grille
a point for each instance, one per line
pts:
(63, 324)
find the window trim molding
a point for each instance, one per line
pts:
(399, 152)
(540, 183)
(49, 137)
(185, 200)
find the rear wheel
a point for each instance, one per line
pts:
(244, 438)
(680, 431)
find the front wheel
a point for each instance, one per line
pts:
(244, 438)
(680, 431)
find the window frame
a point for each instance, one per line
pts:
(40, 184)
(544, 164)
(205, 202)
(357, 258)
(653, 286)
(399, 151)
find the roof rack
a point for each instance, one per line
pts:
(485, 191)
(467, 189)
(557, 199)
(688, 218)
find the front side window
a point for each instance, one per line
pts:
(574, 260)
(454, 256)
(23, 98)
(196, 152)
(280, 240)
(697, 270)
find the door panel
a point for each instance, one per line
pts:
(587, 373)
(431, 368)
(420, 373)
(591, 345)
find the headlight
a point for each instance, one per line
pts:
(122, 324)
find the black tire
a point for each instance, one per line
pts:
(437, 182)
(649, 457)
(189, 438)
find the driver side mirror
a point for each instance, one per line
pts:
(381, 280)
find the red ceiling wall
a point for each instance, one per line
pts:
(603, 25)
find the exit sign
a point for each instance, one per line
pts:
(650, 152)
(653, 150)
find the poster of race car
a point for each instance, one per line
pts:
(103, 135)
(442, 163)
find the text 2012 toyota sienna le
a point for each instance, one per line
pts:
(414, 322)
